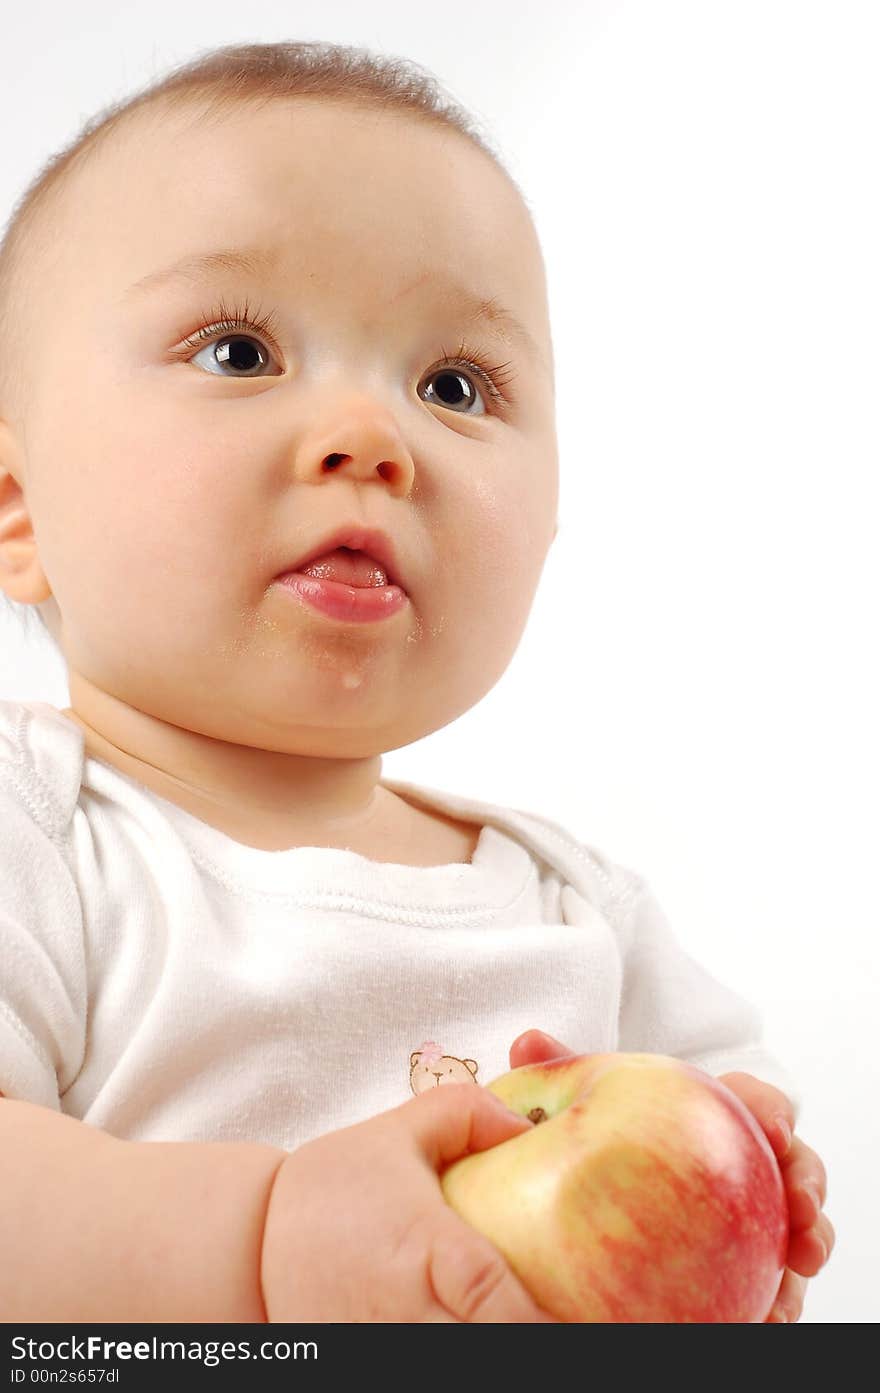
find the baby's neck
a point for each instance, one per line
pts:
(395, 830)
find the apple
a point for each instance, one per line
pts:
(646, 1192)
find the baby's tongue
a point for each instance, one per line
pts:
(349, 567)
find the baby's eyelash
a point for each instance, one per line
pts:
(223, 320)
(230, 320)
(496, 378)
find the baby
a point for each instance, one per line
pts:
(278, 466)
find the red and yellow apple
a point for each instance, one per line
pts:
(646, 1192)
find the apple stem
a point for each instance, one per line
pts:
(537, 1115)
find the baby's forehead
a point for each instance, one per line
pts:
(156, 162)
(172, 185)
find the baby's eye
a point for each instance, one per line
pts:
(455, 390)
(239, 351)
(450, 383)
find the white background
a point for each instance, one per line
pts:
(697, 691)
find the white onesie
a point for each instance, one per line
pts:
(166, 983)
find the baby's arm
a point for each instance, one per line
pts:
(94, 1228)
(352, 1226)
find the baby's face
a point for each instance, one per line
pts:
(171, 485)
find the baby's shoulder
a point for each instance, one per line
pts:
(41, 762)
(611, 886)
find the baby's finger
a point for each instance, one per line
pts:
(809, 1249)
(472, 1282)
(789, 1301)
(535, 1047)
(806, 1183)
(447, 1123)
(769, 1105)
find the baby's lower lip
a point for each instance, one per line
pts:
(350, 604)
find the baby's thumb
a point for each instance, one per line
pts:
(457, 1118)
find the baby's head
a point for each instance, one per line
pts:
(152, 491)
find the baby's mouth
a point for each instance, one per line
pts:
(346, 585)
(348, 567)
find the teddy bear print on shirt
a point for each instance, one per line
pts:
(429, 1067)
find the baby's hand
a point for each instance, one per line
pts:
(358, 1229)
(811, 1236)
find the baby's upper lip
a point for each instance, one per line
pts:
(369, 540)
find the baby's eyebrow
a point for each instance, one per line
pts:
(201, 266)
